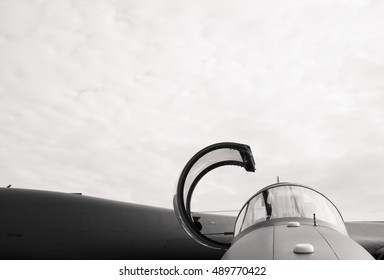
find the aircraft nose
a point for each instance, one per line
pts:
(281, 242)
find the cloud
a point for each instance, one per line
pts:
(111, 98)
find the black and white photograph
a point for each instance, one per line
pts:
(191, 130)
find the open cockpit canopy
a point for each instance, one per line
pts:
(281, 202)
(211, 157)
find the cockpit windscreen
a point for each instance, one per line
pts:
(288, 200)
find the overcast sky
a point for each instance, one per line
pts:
(112, 98)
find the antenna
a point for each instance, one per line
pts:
(278, 179)
(314, 219)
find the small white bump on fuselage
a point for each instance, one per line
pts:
(293, 224)
(304, 249)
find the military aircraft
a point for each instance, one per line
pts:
(281, 221)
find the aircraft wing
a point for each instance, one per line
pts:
(37, 224)
(370, 235)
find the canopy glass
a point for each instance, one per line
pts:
(287, 200)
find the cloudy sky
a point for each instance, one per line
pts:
(112, 97)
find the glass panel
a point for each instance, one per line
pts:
(291, 201)
(256, 212)
(207, 160)
(239, 220)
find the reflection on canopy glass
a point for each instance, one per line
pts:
(284, 201)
